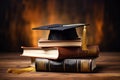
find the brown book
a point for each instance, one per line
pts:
(77, 52)
(59, 43)
(61, 52)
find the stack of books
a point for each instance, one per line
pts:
(63, 51)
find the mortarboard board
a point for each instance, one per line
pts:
(61, 31)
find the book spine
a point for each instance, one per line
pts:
(77, 52)
(66, 65)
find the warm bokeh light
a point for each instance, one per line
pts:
(40, 12)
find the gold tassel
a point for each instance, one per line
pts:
(84, 41)
(30, 68)
(21, 70)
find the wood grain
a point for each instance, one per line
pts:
(108, 68)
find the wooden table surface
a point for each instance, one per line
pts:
(108, 68)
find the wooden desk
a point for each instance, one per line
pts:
(108, 68)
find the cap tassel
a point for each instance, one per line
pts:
(30, 68)
(84, 40)
(21, 70)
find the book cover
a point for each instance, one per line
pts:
(77, 52)
(66, 65)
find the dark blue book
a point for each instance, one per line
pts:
(66, 65)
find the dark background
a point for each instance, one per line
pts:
(12, 10)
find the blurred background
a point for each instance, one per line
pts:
(18, 17)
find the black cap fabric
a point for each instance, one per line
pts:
(69, 34)
(59, 27)
(61, 31)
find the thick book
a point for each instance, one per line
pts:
(66, 65)
(59, 43)
(61, 52)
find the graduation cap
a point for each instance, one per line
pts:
(61, 31)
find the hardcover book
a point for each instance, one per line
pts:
(61, 52)
(66, 65)
(59, 43)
